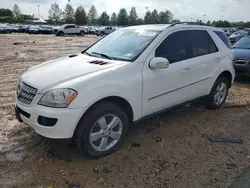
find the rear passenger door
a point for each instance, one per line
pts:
(204, 57)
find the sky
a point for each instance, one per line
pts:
(184, 10)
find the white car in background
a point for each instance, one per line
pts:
(105, 30)
(135, 72)
(70, 29)
(236, 36)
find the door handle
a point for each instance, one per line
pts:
(185, 70)
(217, 59)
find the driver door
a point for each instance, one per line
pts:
(70, 29)
(166, 87)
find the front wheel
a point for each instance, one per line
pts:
(102, 130)
(60, 33)
(218, 94)
(82, 33)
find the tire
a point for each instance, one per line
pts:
(82, 33)
(89, 125)
(214, 102)
(60, 33)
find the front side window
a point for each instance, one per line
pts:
(125, 44)
(69, 26)
(173, 47)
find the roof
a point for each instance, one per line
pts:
(157, 27)
(161, 27)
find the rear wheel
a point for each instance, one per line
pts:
(102, 130)
(218, 94)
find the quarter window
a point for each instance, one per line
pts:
(224, 38)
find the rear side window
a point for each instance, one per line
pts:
(173, 47)
(224, 38)
(201, 43)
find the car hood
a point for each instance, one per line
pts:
(52, 73)
(242, 53)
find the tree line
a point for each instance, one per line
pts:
(122, 18)
(91, 17)
(15, 15)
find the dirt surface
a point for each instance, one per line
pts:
(169, 150)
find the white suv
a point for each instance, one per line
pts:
(130, 74)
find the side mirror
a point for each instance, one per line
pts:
(158, 62)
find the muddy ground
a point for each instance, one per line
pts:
(169, 150)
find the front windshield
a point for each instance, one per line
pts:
(244, 43)
(125, 44)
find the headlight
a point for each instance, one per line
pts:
(58, 98)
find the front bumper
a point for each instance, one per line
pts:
(242, 69)
(67, 119)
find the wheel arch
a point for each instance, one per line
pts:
(119, 101)
(227, 74)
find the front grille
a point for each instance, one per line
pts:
(240, 61)
(26, 93)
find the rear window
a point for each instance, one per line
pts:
(224, 38)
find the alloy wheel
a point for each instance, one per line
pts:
(220, 93)
(106, 132)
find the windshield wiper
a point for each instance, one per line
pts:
(87, 53)
(103, 55)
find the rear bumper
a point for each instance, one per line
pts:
(64, 126)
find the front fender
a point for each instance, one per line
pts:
(86, 98)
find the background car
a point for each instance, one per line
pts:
(45, 30)
(70, 29)
(105, 31)
(242, 56)
(92, 30)
(13, 28)
(227, 32)
(23, 28)
(236, 36)
(5, 29)
(34, 30)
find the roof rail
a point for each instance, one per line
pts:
(190, 23)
